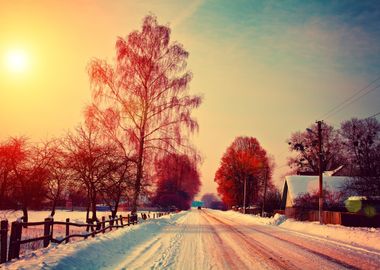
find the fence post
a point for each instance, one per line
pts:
(14, 241)
(51, 228)
(67, 229)
(121, 221)
(111, 223)
(128, 220)
(47, 231)
(4, 239)
(93, 231)
(103, 224)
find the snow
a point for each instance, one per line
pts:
(103, 251)
(59, 231)
(365, 237)
(60, 215)
(208, 239)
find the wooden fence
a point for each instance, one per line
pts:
(346, 219)
(333, 217)
(12, 251)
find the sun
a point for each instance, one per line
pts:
(16, 60)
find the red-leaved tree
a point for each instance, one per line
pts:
(244, 160)
(142, 102)
(177, 181)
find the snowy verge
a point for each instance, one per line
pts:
(100, 252)
(364, 237)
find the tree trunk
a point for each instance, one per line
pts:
(93, 207)
(53, 208)
(139, 175)
(114, 211)
(88, 211)
(25, 215)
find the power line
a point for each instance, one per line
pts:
(352, 101)
(376, 114)
(343, 104)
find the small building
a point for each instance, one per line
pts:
(296, 185)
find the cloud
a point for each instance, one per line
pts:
(187, 12)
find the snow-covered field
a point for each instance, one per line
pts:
(210, 239)
(59, 230)
(60, 215)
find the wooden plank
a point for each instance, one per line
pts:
(14, 241)
(3, 239)
(74, 224)
(34, 239)
(47, 231)
(67, 229)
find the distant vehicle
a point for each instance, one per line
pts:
(199, 207)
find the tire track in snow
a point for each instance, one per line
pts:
(255, 251)
(223, 251)
(323, 252)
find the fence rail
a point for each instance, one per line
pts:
(93, 228)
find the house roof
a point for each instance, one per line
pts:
(299, 184)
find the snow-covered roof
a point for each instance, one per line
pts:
(299, 184)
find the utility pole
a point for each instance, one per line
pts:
(320, 155)
(265, 190)
(245, 193)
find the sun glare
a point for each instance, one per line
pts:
(16, 61)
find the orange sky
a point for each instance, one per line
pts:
(263, 71)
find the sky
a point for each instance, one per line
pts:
(264, 68)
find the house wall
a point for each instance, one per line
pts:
(289, 201)
(290, 212)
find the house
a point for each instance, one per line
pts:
(295, 185)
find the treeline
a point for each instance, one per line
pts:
(352, 150)
(134, 140)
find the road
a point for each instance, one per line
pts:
(200, 240)
(206, 240)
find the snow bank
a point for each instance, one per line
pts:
(102, 251)
(365, 237)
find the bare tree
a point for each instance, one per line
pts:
(5, 173)
(88, 159)
(142, 101)
(362, 144)
(59, 174)
(118, 182)
(305, 145)
(30, 173)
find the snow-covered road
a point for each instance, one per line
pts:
(268, 247)
(204, 239)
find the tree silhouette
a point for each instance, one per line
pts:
(142, 102)
(89, 159)
(177, 180)
(361, 138)
(305, 145)
(29, 173)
